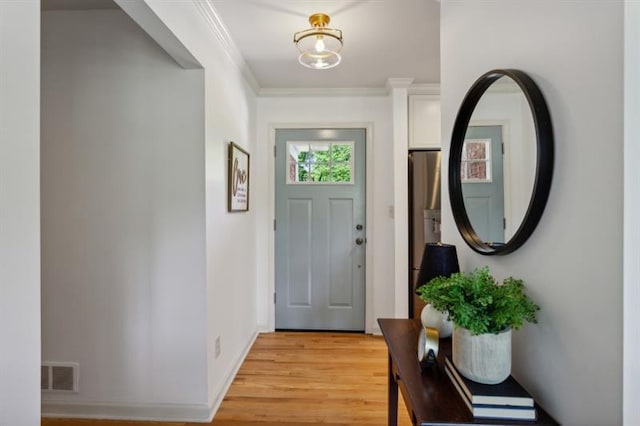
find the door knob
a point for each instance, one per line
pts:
(359, 241)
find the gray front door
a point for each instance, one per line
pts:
(483, 182)
(320, 229)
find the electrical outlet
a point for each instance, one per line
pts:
(217, 346)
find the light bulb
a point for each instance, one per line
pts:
(320, 47)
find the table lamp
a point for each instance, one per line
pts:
(438, 260)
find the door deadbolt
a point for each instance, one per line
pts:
(359, 227)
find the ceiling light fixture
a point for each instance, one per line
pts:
(319, 46)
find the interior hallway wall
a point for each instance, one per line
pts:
(572, 265)
(631, 368)
(230, 238)
(123, 224)
(19, 213)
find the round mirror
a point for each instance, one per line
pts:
(500, 162)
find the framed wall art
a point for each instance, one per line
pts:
(238, 186)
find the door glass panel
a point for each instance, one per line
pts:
(341, 172)
(476, 161)
(320, 163)
(319, 173)
(341, 152)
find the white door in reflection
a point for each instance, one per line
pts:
(483, 182)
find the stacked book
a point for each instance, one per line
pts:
(506, 400)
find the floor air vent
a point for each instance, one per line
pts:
(59, 376)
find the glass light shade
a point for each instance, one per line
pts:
(320, 61)
(319, 47)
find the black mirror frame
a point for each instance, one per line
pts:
(544, 166)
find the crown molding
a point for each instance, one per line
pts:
(324, 92)
(424, 89)
(412, 89)
(399, 83)
(211, 17)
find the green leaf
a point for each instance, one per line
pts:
(477, 302)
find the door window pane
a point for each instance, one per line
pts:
(476, 161)
(320, 162)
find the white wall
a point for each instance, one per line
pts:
(400, 210)
(360, 111)
(571, 361)
(19, 213)
(201, 286)
(230, 115)
(631, 297)
(123, 259)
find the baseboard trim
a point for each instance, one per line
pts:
(201, 413)
(217, 401)
(126, 411)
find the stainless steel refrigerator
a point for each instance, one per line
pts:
(424, 214)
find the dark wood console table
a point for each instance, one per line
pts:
(429, 396)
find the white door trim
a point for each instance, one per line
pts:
(369, 141)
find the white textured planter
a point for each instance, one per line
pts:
(485, 358)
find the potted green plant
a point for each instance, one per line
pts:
(484, 312)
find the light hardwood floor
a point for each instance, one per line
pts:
(296, 378)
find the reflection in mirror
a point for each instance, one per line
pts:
(498, 162)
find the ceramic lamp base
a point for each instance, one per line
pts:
(436, 319)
